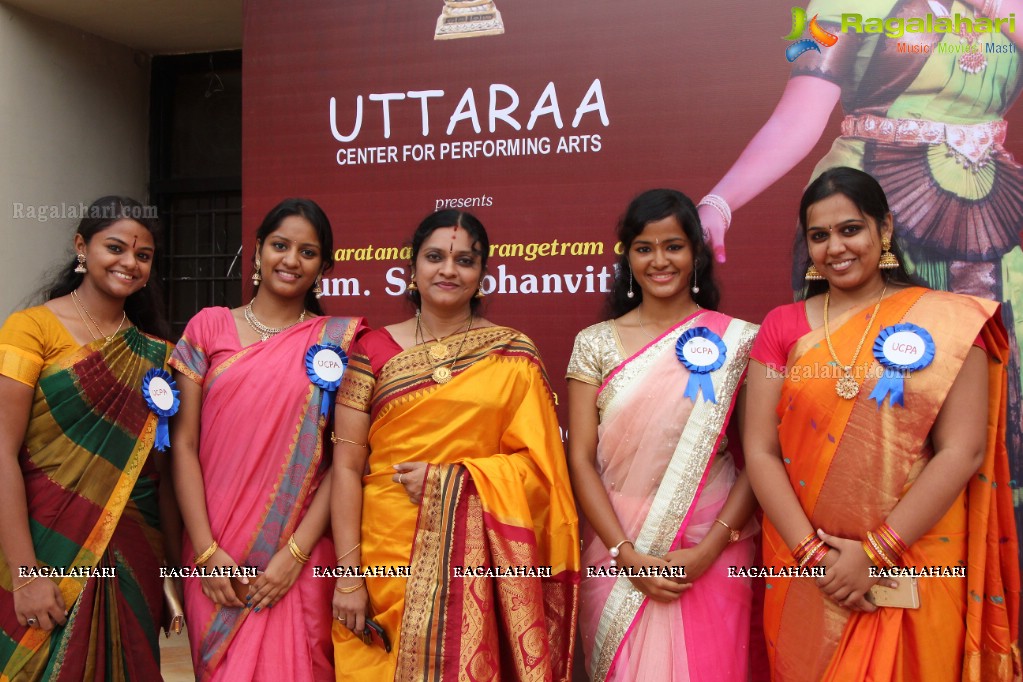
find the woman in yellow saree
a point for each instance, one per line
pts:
(466, 508)
(874, 436)
(80, 590)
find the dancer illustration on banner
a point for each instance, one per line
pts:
(468, 19)
(925, 115)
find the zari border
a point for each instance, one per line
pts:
(675, 495)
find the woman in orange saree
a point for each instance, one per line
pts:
(466, 507)
(80, 589)
(875, 440)
(650, 462)
(250, 464)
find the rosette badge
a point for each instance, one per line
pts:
(161, 394)
(701, 351)
(901, 349)
(325, 365)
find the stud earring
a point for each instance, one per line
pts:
(888, 260)
(630, 293)
(812, 274)
(80, 268)
(257, 273)
(318, 288)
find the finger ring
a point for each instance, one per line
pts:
(31, 622)
(399, 478)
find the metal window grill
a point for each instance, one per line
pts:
(201, 261)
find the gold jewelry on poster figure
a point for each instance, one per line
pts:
(847, 387)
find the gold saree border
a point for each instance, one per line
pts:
(678, 488)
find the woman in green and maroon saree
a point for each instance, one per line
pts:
(78, 483)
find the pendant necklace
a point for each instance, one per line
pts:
(847, 387)
(439, 351)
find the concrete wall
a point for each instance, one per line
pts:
(74, 122)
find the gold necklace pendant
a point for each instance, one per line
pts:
(438, 352)
(847, 387)
(441, 375)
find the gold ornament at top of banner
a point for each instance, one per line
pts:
(468, 19)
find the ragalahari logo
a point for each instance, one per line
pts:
(817, 35)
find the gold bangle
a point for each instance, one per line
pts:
(300, 556)
(338, 439)
(23, 584)
(349, 590)
(201, 559)
(357, 546)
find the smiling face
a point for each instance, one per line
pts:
(290, 258)
(118, 258)
(844, 244)
(448, 269)
(661, 258)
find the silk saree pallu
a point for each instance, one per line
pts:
(661, 455)
(851, 461)
(91, 491)
(261, 451)
(493, 546)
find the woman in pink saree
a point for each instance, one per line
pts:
(249, 464)
(651, 392)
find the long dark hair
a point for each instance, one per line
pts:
(145, 307)
(649, 207)
(867, 195)
(311, 211)
(450, 217)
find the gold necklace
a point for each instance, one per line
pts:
(438, 351)
(264, 331)
(80, 306)
(847, 387)
(442, 374)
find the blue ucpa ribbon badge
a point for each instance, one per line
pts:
(901, 349)
(701, 351)
(324, 365)
(161, 394)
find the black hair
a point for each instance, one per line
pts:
(311, 211)
(649, 207)
(145, 307)
(452, 218)
(869, 198)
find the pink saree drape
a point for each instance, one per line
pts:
(261, 452)
(663, 462)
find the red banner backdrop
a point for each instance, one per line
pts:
(545, 131)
